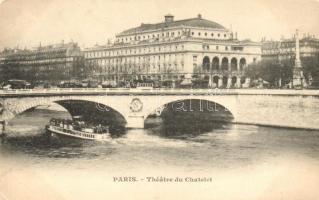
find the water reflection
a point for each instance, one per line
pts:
(189, 118)
(184, 128)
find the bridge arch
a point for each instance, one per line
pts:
(92, 111)
(18, 106)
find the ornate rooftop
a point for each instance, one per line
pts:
(169, 22)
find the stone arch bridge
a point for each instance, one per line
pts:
(285, 108)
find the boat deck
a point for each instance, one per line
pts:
(78, 134)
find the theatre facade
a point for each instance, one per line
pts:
(174, 51)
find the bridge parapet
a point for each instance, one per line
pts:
(154, 91)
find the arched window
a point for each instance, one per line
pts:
(225, 63)
(242, 64)
(233, 64)
(215, 63)
(233, 81)
(216, 80)
(206, 63)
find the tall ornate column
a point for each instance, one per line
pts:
(298, 78)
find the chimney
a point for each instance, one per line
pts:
(199, 16)
(169, 18)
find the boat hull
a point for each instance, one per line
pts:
(77, 134)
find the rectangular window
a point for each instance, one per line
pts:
(194, 58)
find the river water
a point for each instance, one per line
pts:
(238, 162)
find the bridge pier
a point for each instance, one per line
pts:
(135, 121)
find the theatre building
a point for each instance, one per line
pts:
(175, 50)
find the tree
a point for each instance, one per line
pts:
(253, 70)
(273, 71)
(311, 68)
(286, 70)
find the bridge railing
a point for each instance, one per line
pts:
(117, 90)
(160, 90)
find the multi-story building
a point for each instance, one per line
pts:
(284, 52)
(44, 63)
(286, 48)
(175, 50)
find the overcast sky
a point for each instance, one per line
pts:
(27, 23)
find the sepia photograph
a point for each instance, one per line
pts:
(159, 99)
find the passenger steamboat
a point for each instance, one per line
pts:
(78, 129)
